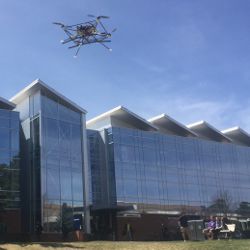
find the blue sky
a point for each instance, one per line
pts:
(189, 59)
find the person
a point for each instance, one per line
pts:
(38, 230)
(183, 223)
(224, 222)
(3, 231)
(77, 225)
(128, 231)
(67, 221)
(65, 231)
(218, 227)
(209, 230)
(218, 222)
(164, 231)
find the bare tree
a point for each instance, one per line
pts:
(222, 203)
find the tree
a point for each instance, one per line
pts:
(222, 203)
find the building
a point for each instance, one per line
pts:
(114, 170)
(157, 169)
(53, 160)
(10, 206)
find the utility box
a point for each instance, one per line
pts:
(195, 229)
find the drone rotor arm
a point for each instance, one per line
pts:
(66, 40)
(74, 46)
(103, 27)
(70, 29)
(77, 51)
(68, 33)
(81, 44)
(102, 43)
(105, 46)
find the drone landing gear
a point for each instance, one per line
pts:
(105, 46)
(78, 46)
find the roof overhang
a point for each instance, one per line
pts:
(207, 131)
(237, 135)
(5, 104)
(125, 116)
(168, 125)
(40, 85)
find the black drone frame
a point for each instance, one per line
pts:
(94, 35)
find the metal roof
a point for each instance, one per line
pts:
(168, 125)
(5, 104)
(125, 116)
(237, 135)
(38, 85)
(207, 131)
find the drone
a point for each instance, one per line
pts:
(85, 33)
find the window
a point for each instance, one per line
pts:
(66, 185)
(5, 138)
(77, 180)
(53, 184)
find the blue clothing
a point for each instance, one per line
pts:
(211, 224)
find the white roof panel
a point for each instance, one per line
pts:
(237, 135)
(168, 125)
(38, 84)
(5, 104)
(125, 117)
(207, 131)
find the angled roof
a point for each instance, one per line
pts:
(5, 104)
(124, 117)
(207, 131)
(168, 125)
(37, 85)
(237, 135)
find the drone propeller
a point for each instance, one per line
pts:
(99, 17)
(61, 24)
(114, 30)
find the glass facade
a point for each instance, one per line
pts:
(61, 165)
(132, 172)
(158, 172)
(9, 170)
(53, 162)
(101, 174)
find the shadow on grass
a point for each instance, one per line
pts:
(50, 244)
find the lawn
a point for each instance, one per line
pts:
(105, 245)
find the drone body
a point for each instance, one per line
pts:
(85, 33)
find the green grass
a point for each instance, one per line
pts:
(108, 245)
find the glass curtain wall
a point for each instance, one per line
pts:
(52, 163)
(61, 166)
(9, 171)
(172, 173)
(102, 176)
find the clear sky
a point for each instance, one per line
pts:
(189, 59)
